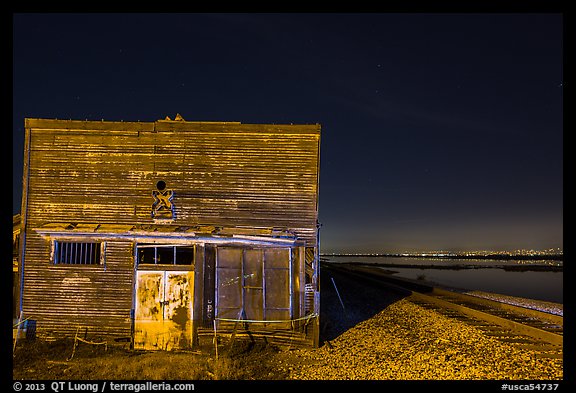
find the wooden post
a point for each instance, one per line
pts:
(215, 340)
(17, 333)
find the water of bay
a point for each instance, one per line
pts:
(475, 274)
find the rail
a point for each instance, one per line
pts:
(538, 325)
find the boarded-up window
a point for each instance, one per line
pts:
(77, 253)
(277, 282)
(229, 282)
(253, 284)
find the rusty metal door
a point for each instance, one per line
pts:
(163, 309)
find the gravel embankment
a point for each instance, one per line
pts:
(386, 337)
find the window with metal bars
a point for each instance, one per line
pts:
(77, 253)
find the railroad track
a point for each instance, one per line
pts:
(523, 327)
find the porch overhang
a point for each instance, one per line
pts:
(171, 234)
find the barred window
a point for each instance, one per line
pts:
(77, 253)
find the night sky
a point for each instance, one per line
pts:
(439, 131)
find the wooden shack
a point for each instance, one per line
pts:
(170, 232)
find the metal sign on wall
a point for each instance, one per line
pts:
(162, 207)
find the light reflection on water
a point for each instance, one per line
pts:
(541, 285)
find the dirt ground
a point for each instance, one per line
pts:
(40, 360)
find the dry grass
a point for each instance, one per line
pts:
(40, 360)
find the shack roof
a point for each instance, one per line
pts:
(172, 126)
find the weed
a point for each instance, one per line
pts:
(240, 361)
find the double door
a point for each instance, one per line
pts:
(163, 309)
(254, 284)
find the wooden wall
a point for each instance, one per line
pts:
(62, 298)
(222, 174)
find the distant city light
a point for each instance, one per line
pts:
(441, 253)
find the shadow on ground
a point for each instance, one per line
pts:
(345, 302)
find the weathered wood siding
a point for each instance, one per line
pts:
(62, 298)
(222, 174)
